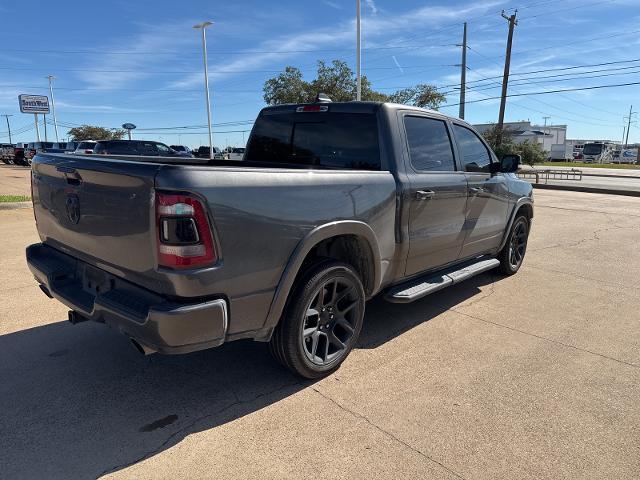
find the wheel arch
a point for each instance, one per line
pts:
(356, 244)
(524, 204)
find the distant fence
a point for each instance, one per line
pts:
(543, 176)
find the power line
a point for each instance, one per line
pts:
(596, 87)
(540, 101)
(545, 70)
(535, 81)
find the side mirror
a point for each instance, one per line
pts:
(510, 163)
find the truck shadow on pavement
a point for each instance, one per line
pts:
(79, 402)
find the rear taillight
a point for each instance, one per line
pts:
(183, 232)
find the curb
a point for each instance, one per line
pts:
(14, 205)
(611, 176)
(605, 191)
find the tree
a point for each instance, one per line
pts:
(531, 152)
(91, 132)
(338, 81)
(422, 95)
(287, 87)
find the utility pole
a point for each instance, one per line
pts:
(202, 26)
(505, 79)
(626, 140)
(53, 105)
(8, 126)
(463, 72)
(358, 57)
(44, 116)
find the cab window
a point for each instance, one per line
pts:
(429, 144)
(475, 156)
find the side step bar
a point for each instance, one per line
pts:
(423, 286)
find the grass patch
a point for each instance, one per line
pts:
(14, 198)
(620, 166)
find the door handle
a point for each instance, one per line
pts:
(425, 194)
(70, 174)
(476, 190)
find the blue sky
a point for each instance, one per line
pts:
(141, 61)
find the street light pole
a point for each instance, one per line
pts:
(358, 57)
(202, 26)
(53, 105)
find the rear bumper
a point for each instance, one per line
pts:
(163, 325)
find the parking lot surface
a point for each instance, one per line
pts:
(531, 376)
(14, 180)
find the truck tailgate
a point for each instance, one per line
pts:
(99, 210)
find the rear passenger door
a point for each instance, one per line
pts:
(437, 194)
(488, 203)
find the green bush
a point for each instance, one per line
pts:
(531, 152)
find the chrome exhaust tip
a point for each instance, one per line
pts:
(143, 349)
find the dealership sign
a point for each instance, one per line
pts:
(33, 103)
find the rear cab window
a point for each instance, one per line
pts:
(316, 139)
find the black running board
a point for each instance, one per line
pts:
(431, 283)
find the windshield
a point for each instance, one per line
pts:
(86, 145)
(592, 149)
(325, 139)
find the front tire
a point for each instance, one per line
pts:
(512, 254)
(321, 322)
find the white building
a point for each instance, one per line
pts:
(546, 136)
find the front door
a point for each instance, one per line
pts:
(488, 203)
(437, 196)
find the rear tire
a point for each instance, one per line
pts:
(321, 322)
(512, 254)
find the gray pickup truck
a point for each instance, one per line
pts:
(332, 204)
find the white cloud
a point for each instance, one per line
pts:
(372, 6)
(131, 54)
(331, 4)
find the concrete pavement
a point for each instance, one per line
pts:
(531, 376)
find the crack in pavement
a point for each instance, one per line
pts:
(594, 237)
(590, 279)
(189, 426)
(585, 210)
(386, 433)
(540, 337)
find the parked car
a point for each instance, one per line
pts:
(7, 153)
(185, 151)
(203, 152)
(333, 204)
(236, 154)
(35, 147)
(18, 154)
(85, 147)
(134, 147)
(72, 146)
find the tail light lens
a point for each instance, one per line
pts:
(184, 233)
